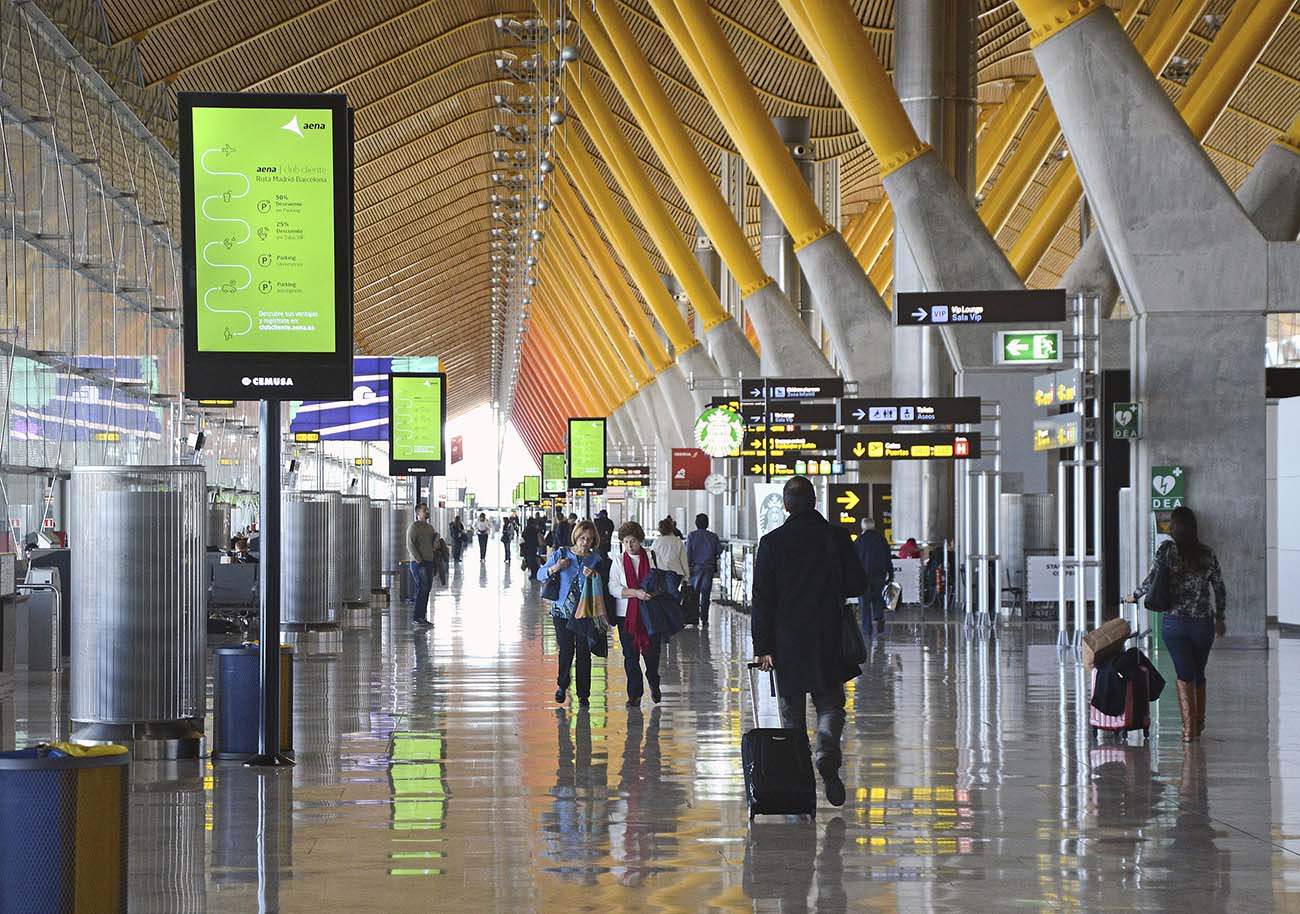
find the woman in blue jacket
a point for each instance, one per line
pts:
(571, 564)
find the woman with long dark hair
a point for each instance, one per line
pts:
(1195, 614)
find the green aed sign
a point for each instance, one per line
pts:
(1126, 422)
(553, 478)
(586, 453)
(417, 405)
(267, 245)
(1168, 488)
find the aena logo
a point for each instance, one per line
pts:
(294, 127)
(267, 382)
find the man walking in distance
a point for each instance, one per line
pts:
(703, 550)
(422, 551)
(878, 563)
(803, 573)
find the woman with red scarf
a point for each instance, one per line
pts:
(628, 576)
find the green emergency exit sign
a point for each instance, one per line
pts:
(1029, 347)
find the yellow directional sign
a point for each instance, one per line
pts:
(850, 503)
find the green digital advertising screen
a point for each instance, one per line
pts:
(586, 453)
(417, 405)
(532, 489)
(553, 478)
(267, 245)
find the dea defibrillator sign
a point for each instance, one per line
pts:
(1168, 488)
(719, 431)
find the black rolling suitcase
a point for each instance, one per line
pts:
(779, 778)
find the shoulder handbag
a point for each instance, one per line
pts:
(551, 589)
(1157, 600)
(853, 647)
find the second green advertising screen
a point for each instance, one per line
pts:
(264, 229)
(587, 452)
(553, 479)
(417, 418)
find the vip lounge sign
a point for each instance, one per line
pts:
(1126, 422)
(1168, 488)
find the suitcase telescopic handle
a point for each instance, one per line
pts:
(753, 688)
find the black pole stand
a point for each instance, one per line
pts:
(268, 736)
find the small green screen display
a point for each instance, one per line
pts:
(532, 488)
(553, 479)
(417, 418)
(587, 449)
(264, 229)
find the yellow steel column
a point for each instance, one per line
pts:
(605, 312)
(588, 240)
(568, 396)
(995, 141)
(647, 203)
(624, 241)
(577, 331)
(832, 32)
(563, 293)
(714, 65)
(1242, 38)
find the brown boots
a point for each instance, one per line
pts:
(1191, 704)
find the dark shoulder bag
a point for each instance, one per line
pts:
(551, 589)
(853, 647)
(1157, 600)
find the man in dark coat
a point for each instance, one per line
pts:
(605, 527)
(877, 561)
(804, 571)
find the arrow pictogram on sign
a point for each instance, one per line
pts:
(849, 500)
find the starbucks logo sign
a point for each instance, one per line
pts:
(719, 431)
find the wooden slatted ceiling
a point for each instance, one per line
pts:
(420, 74)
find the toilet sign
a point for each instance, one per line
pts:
(1168, 488)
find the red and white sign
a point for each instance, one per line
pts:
(47, 523)
(457, 449)
(691, 466)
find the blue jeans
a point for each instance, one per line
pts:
(702, 584)
(422, 575)
(1189, 641)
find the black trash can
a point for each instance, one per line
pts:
(236, 681)
(63, 829)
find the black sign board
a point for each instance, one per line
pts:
(790, 388)
(729, 402)
(909, 410)
(786, 413)
(778, 444)
(921, 309)
(911, 446)
(849, 503)
(627, 477)
(793, 466)
(266, 246)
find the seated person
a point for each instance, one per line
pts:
(239, 552)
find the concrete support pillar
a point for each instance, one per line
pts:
(1170, 226)
(935, 79)
(776, 244)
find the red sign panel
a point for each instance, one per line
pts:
(691, 466)
(457, 449)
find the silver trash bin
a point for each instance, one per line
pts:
(352, 552)
(308, 534)
(139, 606)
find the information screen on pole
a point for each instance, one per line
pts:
(417, 404)
(532, 489)
(586, 453)
(266, 216)
(553, 478)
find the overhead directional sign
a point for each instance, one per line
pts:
(1029, 347)
(911, 446)
(1058, 388)
(1057, 432)
(785, 413)
(777, 444)
(790, 388)
(627, 477)
(1018, 306)
(793, 466)
(909, 410)
(849, 503)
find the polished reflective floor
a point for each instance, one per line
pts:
(435, 774)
